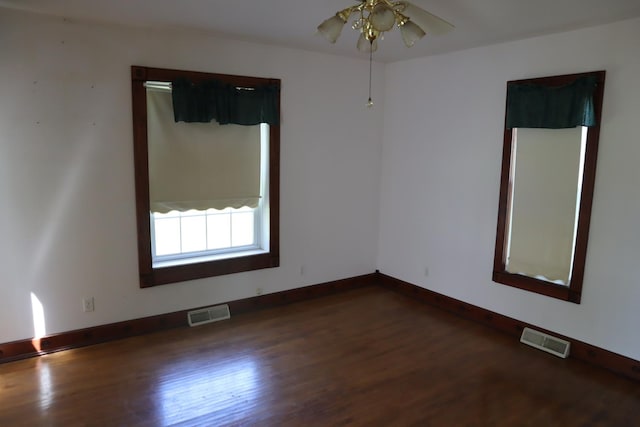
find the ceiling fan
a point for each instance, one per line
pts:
(372, 18)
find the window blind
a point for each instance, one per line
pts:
(199, 165)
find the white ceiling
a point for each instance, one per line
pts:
(293, 22)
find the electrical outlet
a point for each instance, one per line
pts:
(259, 291)
(88, 304)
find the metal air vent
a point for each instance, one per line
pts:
(544, 342)
(208, 315)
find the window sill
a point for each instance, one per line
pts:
(538, 286)
(208, 258)
(198, 270)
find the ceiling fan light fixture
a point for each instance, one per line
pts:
(332, 27)
(375, 17)
(365, 45)
(382, 17)
(410, 33)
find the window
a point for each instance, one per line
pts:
(187, 235)
(549, 154)
(207, 193)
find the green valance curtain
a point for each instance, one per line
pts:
(551, 107)
(225, 103)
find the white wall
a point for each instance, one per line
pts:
(67, 214)
(67, 204)
(444, 117)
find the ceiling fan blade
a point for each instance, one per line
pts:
(430, 23)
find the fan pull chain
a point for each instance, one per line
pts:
(370, 102)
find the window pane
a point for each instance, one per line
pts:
(167, 235)
(171, 214)
(242, 229)
(244, 209)
(193, 233)
(219, 230)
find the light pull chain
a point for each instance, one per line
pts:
(370, 102)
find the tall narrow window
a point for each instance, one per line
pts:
(206, 173)
(550, 148)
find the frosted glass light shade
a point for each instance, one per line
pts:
(365, 45)
(411, 33)
(331, 28)
(382, 17)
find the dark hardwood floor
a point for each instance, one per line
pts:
(364, 357)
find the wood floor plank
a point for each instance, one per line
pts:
(364, 357)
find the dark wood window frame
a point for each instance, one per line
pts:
(573, 292)
(150, 275)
